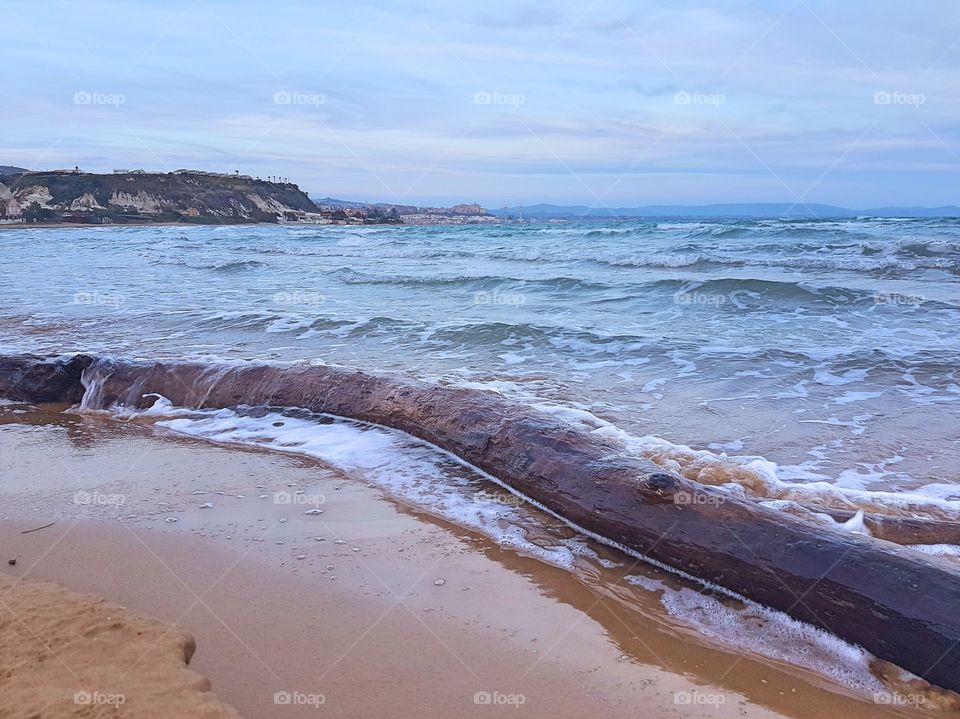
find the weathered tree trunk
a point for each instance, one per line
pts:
(898, 604)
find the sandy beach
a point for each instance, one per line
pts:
(366, 609)
(65, 655)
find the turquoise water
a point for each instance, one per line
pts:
(828, 348)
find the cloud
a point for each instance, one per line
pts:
(504, 101)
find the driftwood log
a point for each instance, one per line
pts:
(900, 605)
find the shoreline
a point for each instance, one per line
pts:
(114, 226)
(75, 225)
(582, 479)
(518, 626)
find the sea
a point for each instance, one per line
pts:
(789, 361)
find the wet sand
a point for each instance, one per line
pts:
(369, 609)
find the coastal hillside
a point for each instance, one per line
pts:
(137, 196)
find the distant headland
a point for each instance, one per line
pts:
(75, 197)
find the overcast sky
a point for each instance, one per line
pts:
(610, 102)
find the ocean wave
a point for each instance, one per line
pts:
(423, 252)
(350, 276)
(741, 292)
(228, 266)
(232, 266)
(355, 277)
(837, 262)
(758, 477)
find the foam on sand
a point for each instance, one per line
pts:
(406, 468)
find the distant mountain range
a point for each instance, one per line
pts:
(333, 202)
(11, 170)
(747, 210)
(773, 210)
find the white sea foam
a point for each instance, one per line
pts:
(938, 550)
(404, 467)
(754, 628)
(763, 478)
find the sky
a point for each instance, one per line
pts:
(608, 103)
